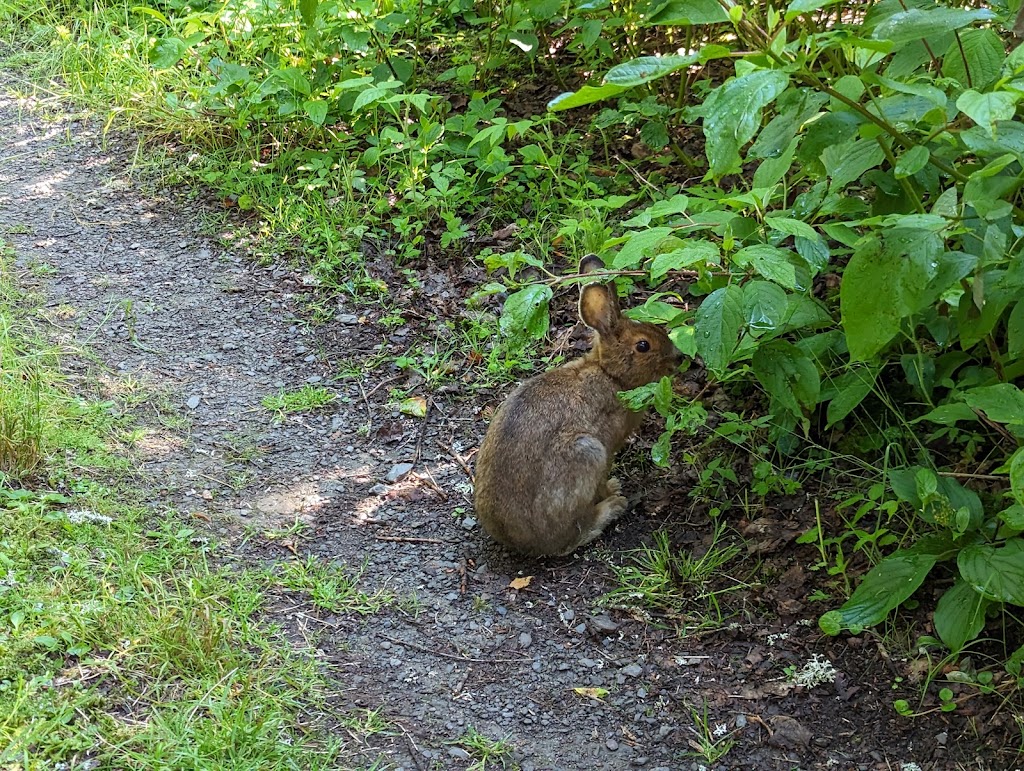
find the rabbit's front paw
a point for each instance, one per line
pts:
(612, 487)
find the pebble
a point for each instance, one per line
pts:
(525, 640)
(193, 402)
(603, 624)
(347, 318)
(468, 523)
(397, 471)
(633, 670)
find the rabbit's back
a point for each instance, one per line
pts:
(545, 458)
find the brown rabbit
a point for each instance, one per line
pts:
(542, 484)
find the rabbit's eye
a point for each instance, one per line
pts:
(643, 346)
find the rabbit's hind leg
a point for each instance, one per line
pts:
(605, 512)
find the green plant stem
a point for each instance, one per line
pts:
(903, 182)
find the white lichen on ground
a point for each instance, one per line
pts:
(815, 672)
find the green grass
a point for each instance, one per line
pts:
(672, 581)
(486, 752)
(25, 396)
(303, 399)
(125, 640)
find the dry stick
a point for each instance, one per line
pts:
(385, 381)
(458, 459)
(454, 656)
(957, 475)
(423, 430)
(369, 411)
(410, 539)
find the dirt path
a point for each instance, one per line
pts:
(196, 337)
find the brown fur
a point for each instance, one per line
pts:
(542, 483)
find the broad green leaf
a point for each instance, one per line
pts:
(870, 300)
(916, 23)
(912, 161)
(646, 68)
(986, 109)
(848, 161)
(733, 115)
(765, 306)
(719, 320)
(772, 169)
(370, 95)
(960, 615)
(803, 311)
(1015, 331)
(586, 95)
(167, 52)
(677, 204)
(1002, 403)
(975, 59)
(791, 227)
(890, 583)
(316, 109)
(814, 251)
(1017, 475)
(525, 315)
(693, 253)
(686, 12)
(1013, 516)
(852, 387)
(770, 262)
(294, 78)
(949, 414)
(996, 572)
(640, 245)
(806, 6)
(152, 12)
(685, 340)
(307, 8)
(788, 375)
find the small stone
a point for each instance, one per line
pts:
(633, 670)
(347, 318)
(397, 471)
(525, 640)
(588, 663)
(468, 523)
(741, 721)
(603, 623)
(378, 489)
(788, 732)
(612, 745)
(193, 402)
(458, 752)
(941, 738)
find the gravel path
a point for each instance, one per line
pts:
(196, 336)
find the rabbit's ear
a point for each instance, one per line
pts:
(591, 263)
(599, 307)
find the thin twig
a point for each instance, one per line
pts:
(458, 459)
(957, 475)
(454, 656)
(410, 539)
